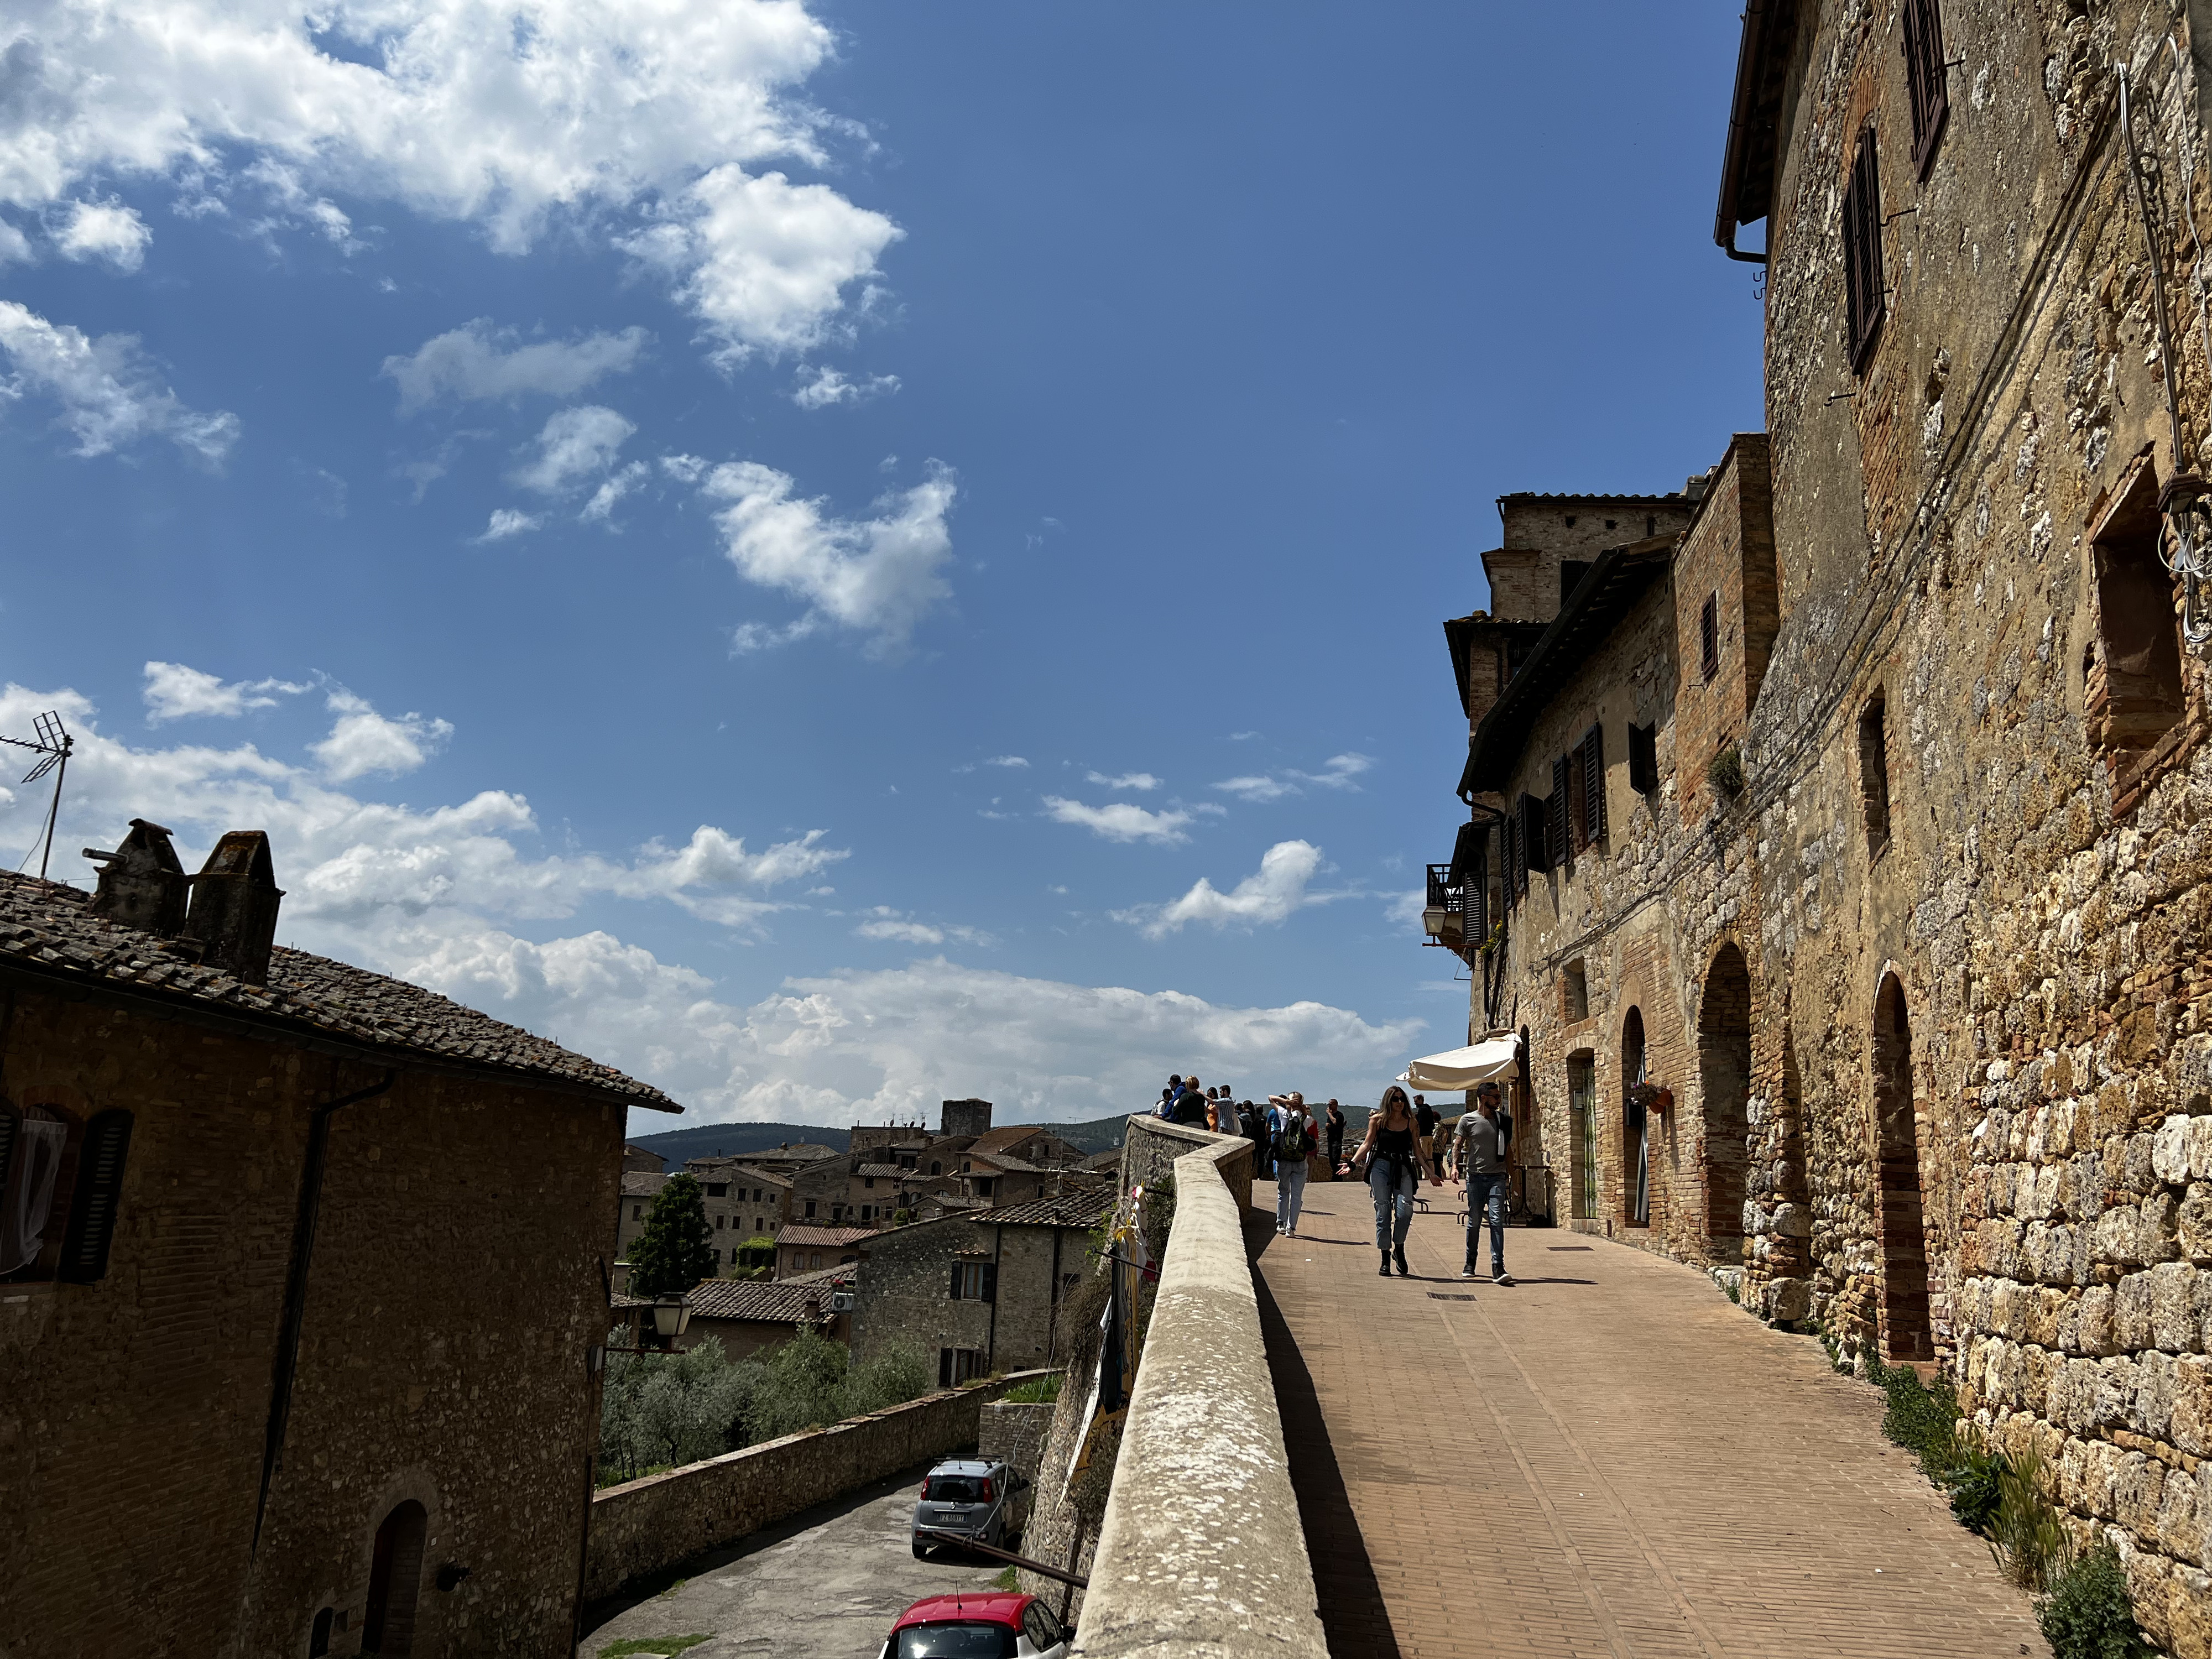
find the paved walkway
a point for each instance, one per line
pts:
(1609, 1459)
(826, 1583)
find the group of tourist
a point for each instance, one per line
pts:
(1285, 1134)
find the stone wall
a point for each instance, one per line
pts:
(1015, 1435)
(903, 1290)
(650, 1525)
(134, 1410)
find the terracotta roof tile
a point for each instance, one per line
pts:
(781, 1302)
(641, 1183)
(50, 928)
(799, 1233)
(1069, 1210)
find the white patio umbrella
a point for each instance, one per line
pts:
(1463, 1068)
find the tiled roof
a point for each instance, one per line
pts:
(1013, 1136)
(641, 1183)
(1560, 495)
(1069, 1210)
(799, 1233)
(881, 1171)
(1109, 1160)
(48, 928)
(781, 1302)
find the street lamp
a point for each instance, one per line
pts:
(672, 1315)
(1433, 920)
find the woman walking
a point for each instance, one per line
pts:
(1291, 1135)
(1394, 1158)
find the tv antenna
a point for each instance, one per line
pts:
(52, 748)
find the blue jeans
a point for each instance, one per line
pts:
(1392, 1197)
(1289, 1193)
(1486, 1192)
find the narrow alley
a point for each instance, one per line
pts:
(1606, 1459)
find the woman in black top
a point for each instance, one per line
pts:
(1396, 1160)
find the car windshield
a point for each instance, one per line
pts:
(954, 1489)
(955, 1642)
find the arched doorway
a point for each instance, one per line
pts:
(1724, 1093)
(1635, 1125)
(395, 1582)
(1904, 1329)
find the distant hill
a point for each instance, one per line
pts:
(679, 1147)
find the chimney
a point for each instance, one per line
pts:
(142, 885)
(234, 913)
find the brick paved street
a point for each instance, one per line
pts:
(1608, 1459)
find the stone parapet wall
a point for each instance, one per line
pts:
(1201, 1497)
(646, 1525)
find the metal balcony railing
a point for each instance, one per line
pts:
(1450, 898)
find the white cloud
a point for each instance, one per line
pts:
(14, 247)
(103, 230)
(1337, 772)
(507, 521)
(575, 444)
(1270, 895)
(441, 897)
(636, 123)
(363, 741)
(896, 927)
(878, 576)
(173, 691)
(1138, 780)
(829, 387)
(1120, 821)
(110, 395)
(1006, 760)
(624, 481)
(467, 363)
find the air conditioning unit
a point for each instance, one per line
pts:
(841, 1301)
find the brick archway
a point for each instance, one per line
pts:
(1900, 1228)
(1724, 1098)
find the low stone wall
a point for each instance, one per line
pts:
(1202, 1500)
(646, 1525)
(1015, 1435)
(1150, 1146)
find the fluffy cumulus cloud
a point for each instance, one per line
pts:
(645, 124)
(106, 231)
(362, 741)
(574, 446)
(1269, 896)
(1337, 772)
(173, 692)
(877, 576)
(1120, 821)
(476, 363)
(449, 897)
(826, 387)
(108, 395)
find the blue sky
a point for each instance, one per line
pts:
(782, 544)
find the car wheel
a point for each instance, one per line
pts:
(920, 1551)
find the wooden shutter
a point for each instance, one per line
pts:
(1556, 825)
(1515, 880)
(956, 1281)
(1862, 284)
(1925, 78)
(1474, 899)
(1593, 747)
(1643, 758)
(98, 1190)
(1708, 635)
(990, 1281)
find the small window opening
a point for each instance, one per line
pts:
(1643, 758)
(1873, 776)
(1571, 572)
(1708, 635)
(319, 1638)
(1863, 295)
(1571, 521)
(1609, 524)
(1651, 523)
(1925, 79)
(1574, 992)
(2133, 685)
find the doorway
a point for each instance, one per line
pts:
(1635, 1121)
(395, 1582)
(1582, 1112)
(1906, 1333)
(1724, 1089)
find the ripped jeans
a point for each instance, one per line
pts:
(1392, 1185)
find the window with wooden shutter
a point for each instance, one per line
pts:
(1578, 835)
(1536, 852)
(1863, 286)
(1516, 872)
(1557, 830)
(1593, 752)
(1643, 758)
(1475, 896)
(1925, 79)
(99, 1192)
(1708, 635)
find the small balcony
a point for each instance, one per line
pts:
(1444, 918)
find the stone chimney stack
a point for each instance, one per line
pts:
(142, 885)
(967, 1117)
(233, 909)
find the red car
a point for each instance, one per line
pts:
(994, 1624)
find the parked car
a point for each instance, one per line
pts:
(967, 1495)
(996, 1625)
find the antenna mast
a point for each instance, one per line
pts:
(52, 748)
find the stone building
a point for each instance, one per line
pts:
(801, 1248)
(1864, 817)
(749, 1317)
(982, 1291)
(296, 1355)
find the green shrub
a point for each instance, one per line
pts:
(1006, 1581)
(1976, 1489)
(660, 1644)
(1725, 771)
(1042, 1392)
(1920, 1418)
(2088, 1615)
(2025, 1533)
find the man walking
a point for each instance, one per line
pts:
(1479, 1149)
(1426, 1120)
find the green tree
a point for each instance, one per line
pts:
(675, 1251)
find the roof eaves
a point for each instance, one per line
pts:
(1747, 163)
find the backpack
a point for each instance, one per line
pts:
(1292, 1136)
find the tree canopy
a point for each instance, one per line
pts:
(675, 1250)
